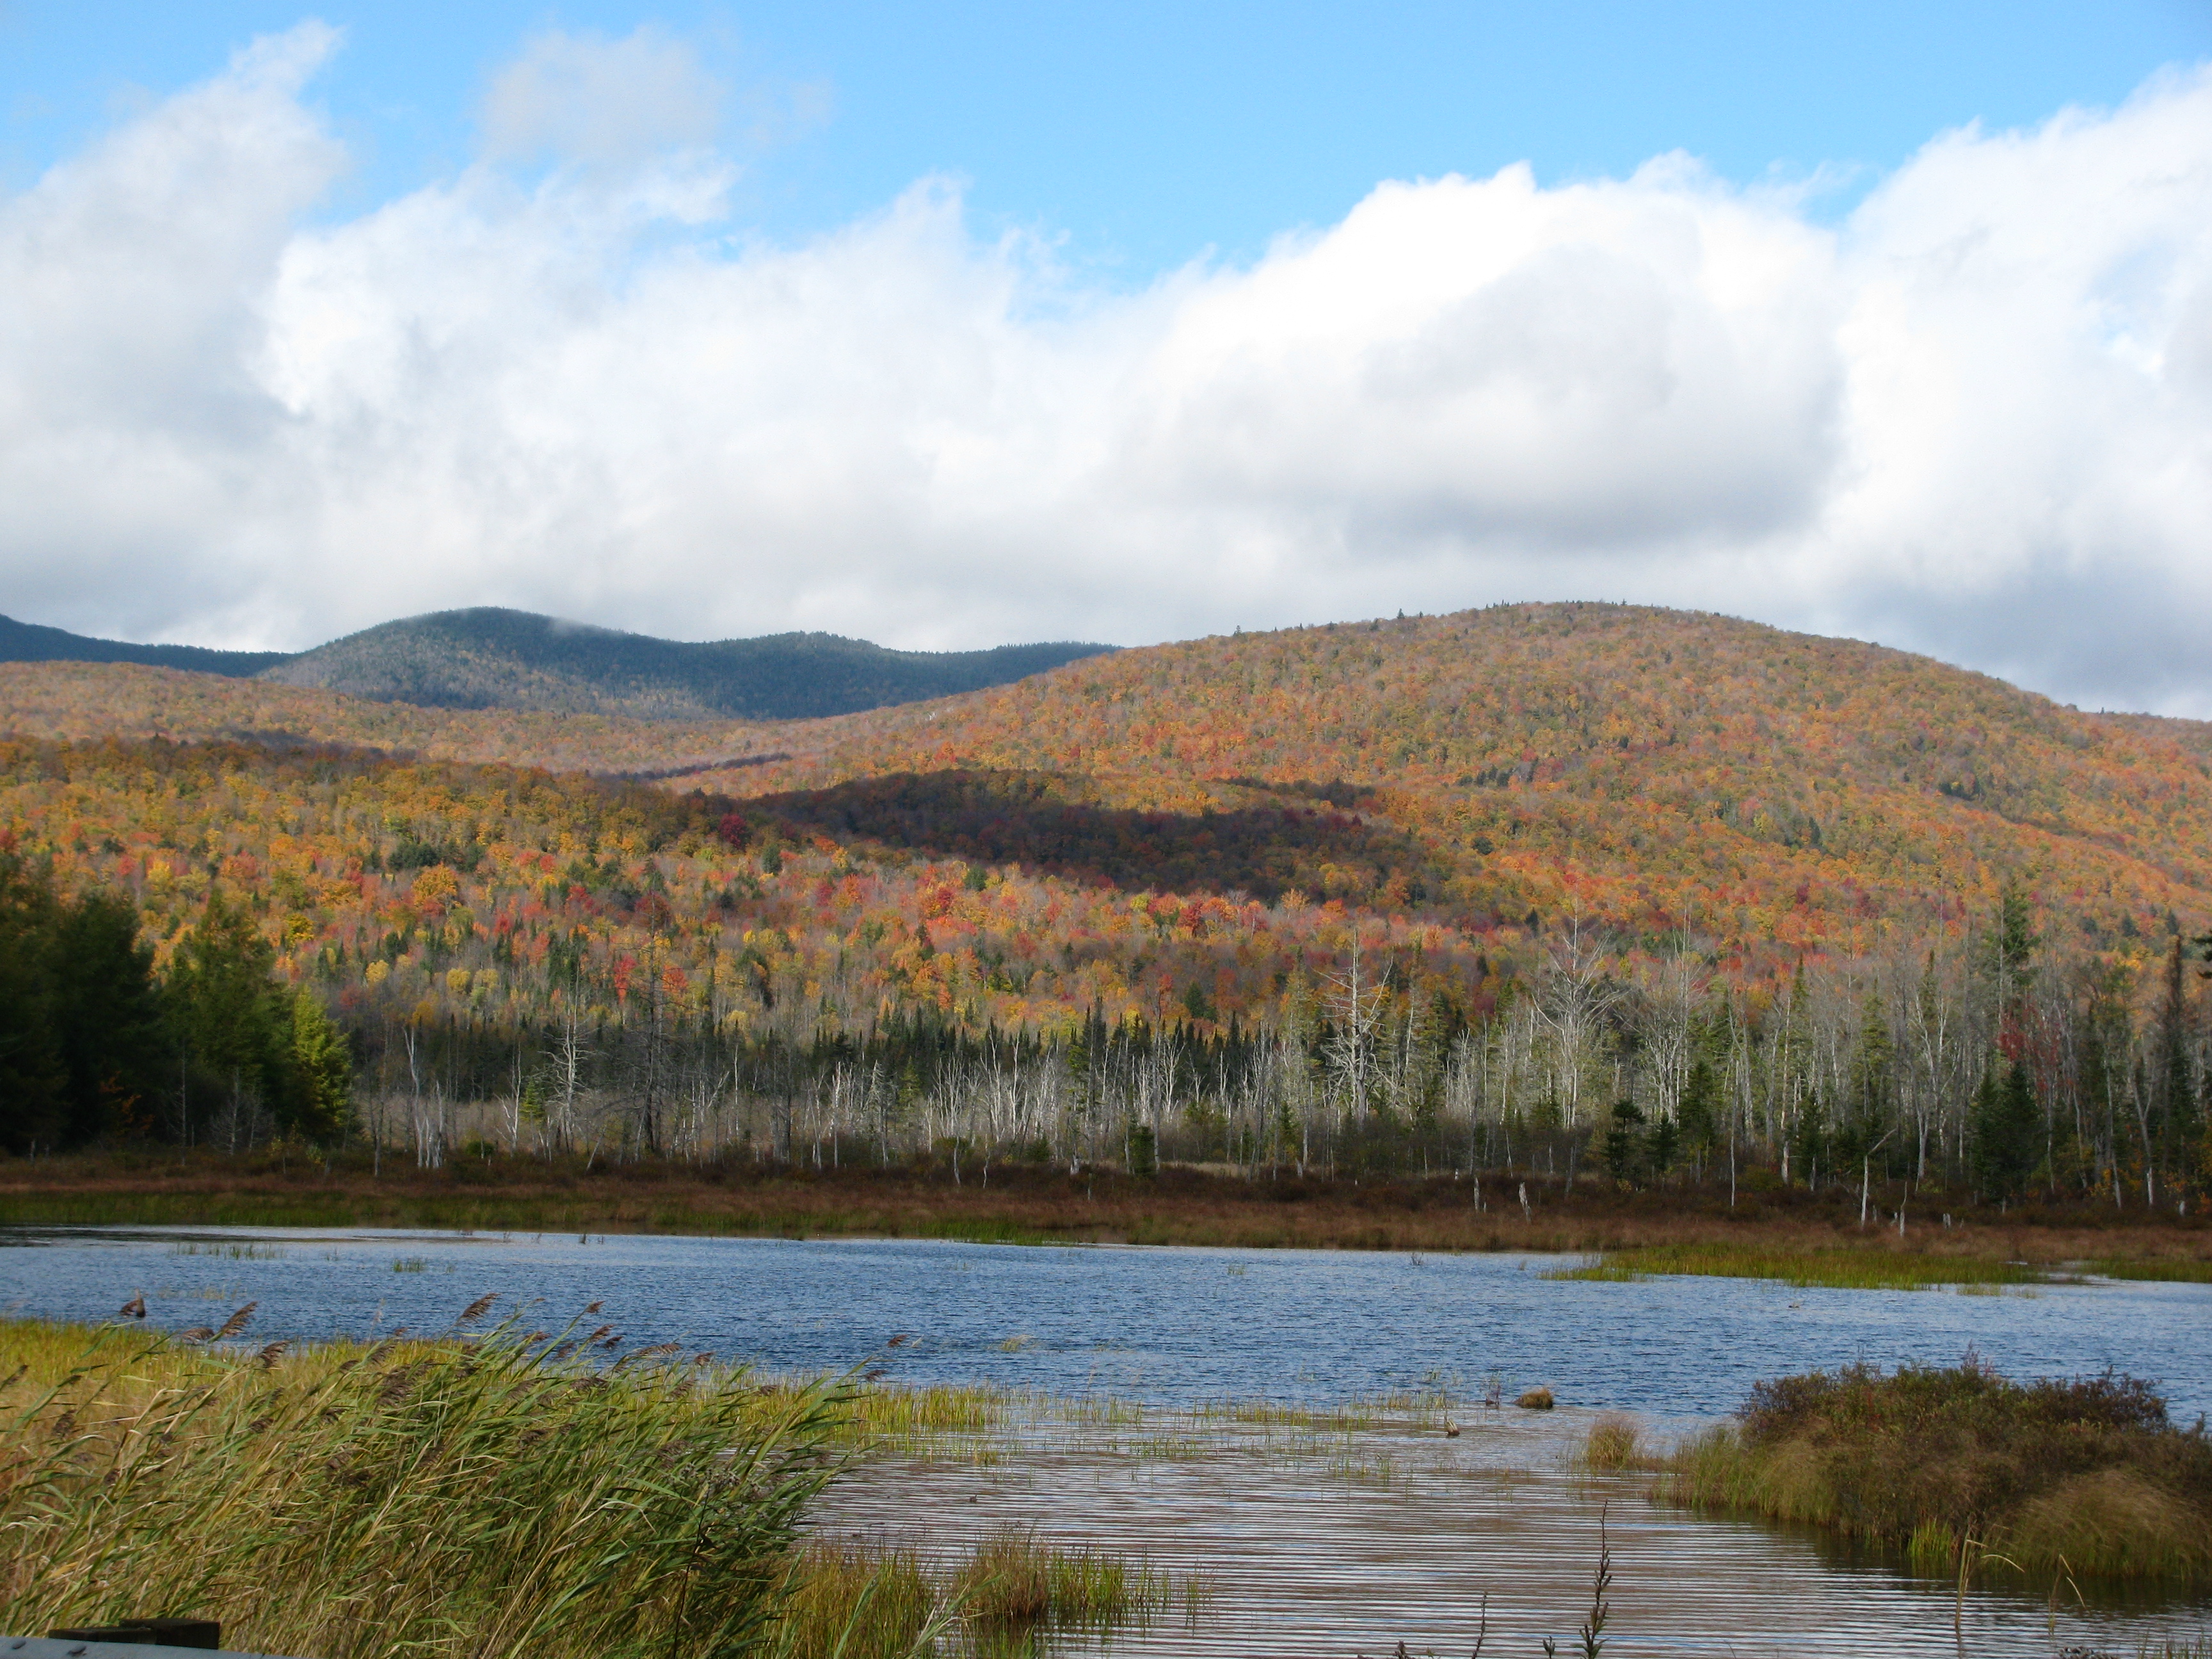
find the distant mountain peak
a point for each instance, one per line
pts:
(494, 657)
(489, 657)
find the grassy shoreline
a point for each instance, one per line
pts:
(1810, 1238)
(498, 1491)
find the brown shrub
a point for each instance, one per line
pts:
(2089, 1470)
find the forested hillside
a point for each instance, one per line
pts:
(1768, 791)
(1554, 885)
(35, 642)
(75, 701)
(494, 659)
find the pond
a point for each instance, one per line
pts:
(1396, 1534)
(1169, 1325)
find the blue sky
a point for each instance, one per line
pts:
(956, 325)
(1147, 132)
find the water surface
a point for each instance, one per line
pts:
(1170, 1325)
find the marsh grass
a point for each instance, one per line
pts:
(851, 1602)
(1829, 1269)
(1350, 1418)
(1006, 1595)
(443, 1497)
(1014, 1580)
(1614, 1442)
(968, 1424)
(1960, 1465)
(900, 1418)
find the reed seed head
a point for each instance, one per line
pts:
(477, 1309)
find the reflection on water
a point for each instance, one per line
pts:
(1323, 1546)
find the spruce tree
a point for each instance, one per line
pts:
(2007, 1130)
(109, 1024)
(1698, 1114)
(321, 1095)
(1623, 1143)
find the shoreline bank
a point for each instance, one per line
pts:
(1035, 1205)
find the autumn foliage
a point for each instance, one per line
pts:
(1196, 838)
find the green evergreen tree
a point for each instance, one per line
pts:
(34, 1078)
(1698, 1114)
(2174, 1093)
(321, 1095)
(2007, 1132)
(251, 1039)
(81, 1050)
(221, 982)
(109, 1019)
(2014, 947)
(1624, 1148)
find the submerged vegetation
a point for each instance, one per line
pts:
(1960, 1468)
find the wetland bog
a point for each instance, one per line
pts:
(1263, 1431)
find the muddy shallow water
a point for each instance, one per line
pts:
(1307, 1545)
(1349, 1545)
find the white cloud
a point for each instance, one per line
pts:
(1976, 417)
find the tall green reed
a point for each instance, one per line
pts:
(453, 1498)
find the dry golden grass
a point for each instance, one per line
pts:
(1614, 1442)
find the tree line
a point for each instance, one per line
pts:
(1989, 1061)
(1987, 1065)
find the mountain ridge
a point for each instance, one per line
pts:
(489, 657)
(1679, 770)
(22, 642)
